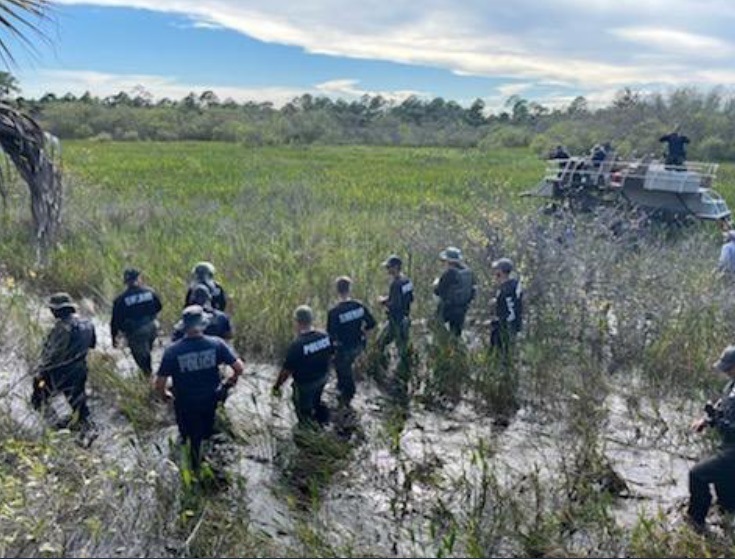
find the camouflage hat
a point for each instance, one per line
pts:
(727, 360)
(303, 314)
(451, 254)
(393, 261)
(505, 265)
(201, 295)
(59, 301)
(130, 275)
(193, 318)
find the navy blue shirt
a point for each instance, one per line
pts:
(346, 322)
(308, 357)
(509, 305)
(135, 307)
(193, 364)
(400, 298)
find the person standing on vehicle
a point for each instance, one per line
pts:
(508, 309)
(63, 363)
(347, 325)
(718, 470)
(134, 314)
(676, 154)
(193, 365)
(203, 274)
(307, 362)
(455, 289)
(218, 323)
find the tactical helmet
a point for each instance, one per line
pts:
(204, 270)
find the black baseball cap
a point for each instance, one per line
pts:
(130, 275)
(393, 261)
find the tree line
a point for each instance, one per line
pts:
(632, 122)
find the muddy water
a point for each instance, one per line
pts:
(363, 508)
(386, 495)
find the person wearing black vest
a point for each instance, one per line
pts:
(63, 364)
(307, 361)
(134, 314)
(347, 324)
(718, 470)
(455, 289)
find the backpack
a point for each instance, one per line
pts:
(463, 291)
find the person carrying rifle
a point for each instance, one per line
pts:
(63, 364)
(718, 470)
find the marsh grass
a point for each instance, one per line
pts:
(280, 224)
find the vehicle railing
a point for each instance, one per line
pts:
(563, 169)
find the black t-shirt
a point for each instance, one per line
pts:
(308, 357)
(346, 321)
(400, 298)
(677, 144)
(509, 305)
(135, 307)
(193, 364)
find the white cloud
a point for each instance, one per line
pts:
(676, 41)
(350, 88)
(586, 45)
(464, 37)
(103, 84)
(509, 89)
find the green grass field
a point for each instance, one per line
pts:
(639, 316)
(278, 223)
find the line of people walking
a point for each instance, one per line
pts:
(189, 372)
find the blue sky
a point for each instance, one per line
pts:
(458, 49)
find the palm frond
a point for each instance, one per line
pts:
(20, 19)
